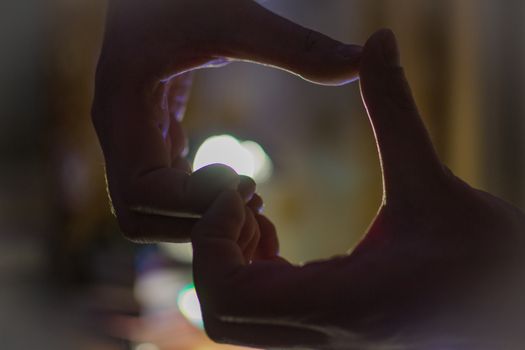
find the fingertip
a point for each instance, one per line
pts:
(350, 52)
(273, 40)
(390, 48)
(224, 218)
(380, 51)
(248, 228)
(207, 183)
(269, 243)
(372, 51)
(256, 204)
(253, 236)
(246, 187)
(214, 238)
(333, 66)
(379, 61)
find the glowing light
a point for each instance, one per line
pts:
(246, 158)
(226, 150)
(157, 290)
(146, 346)
(183, 252)
(262, 164)
(189, 305)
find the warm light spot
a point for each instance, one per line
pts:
(182, 252)
(262, 164)
(157, 289)
(189, 305)
(226, 150)
(146, 346)
(246, 158)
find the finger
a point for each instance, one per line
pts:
(255, 298)
(131, 126)
(258, 35)
(151, 228)
(208, 182)
(159, 110)
(177, 142)
(182, 164)
(218, 261)
(137, 158)
(408, 158)
(256, 204)
(249, 253)
(251, 247)
(178, 95)
(265, 299)
(248, 231)
(142, 175)
(169, 188)
(171, 193)
(214, 238)
(246, 188)
(268, 247)
(264, 336)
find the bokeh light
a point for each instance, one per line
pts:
(263, 166)
(146, 346)
(181, 252)
(189, 305)
(246, 158)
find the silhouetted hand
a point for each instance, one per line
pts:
(142, 85)
(439, 268)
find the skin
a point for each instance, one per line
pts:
(441, 266)
(441, 263)
(141, 88)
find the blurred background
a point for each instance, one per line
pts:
(68, 280)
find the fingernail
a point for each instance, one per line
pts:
(246, 187)
(390, 49)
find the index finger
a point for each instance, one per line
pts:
(262, 36)
(142, 163)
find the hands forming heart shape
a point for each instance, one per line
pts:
(441, 265)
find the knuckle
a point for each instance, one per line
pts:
(214, 331)
(131, 229)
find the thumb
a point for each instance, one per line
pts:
(215, 249)
(408, 158)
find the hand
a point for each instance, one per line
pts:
(440, 266)
(142, 85)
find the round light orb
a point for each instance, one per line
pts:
(182, 252)
(263, 166)
(189, 305)
(246, 158)
(146, 346)
(224, 149)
